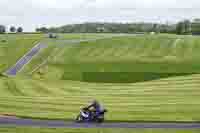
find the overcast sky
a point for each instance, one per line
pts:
(36, 13)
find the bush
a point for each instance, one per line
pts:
(3, 40)
(20, 30)
(2, 29)
(52, 36)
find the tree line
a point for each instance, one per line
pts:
(183, 27)
(188, 27)
(12, 29)
(110, 28)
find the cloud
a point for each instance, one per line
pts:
(34, 13)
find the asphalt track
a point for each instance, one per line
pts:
(19, 122)
(25, 60)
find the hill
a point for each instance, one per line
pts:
(56, 90)
(172, 99)
(121, 59)
(14, 46)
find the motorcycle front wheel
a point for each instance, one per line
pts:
(79, 118)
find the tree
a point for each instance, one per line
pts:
(2, 29)
(42, 29)
(156, 28)
(195, 27)
(187, 26)
(183, 27)
(20, 29)
(12, 29)
(180, 28)
(197, 20)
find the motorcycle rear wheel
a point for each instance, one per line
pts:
(100, 120)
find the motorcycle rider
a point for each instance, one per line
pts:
(96, 107)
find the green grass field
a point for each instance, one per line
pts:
(15, 47)
(82, 36)
(160, 100)
(146, 56)
(169, 63)
(53, 130)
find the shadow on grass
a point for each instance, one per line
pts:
(119, 77)
(127, 77)
(3, 75)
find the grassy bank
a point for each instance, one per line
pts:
(173, 99)
(159, 54)
(14, 47)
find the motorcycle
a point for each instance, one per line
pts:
(86, 115)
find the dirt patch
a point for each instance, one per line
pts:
(8, 115)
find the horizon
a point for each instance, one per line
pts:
(48, 13)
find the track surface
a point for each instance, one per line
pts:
(6, 121)
(25, 60)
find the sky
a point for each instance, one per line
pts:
(31, 14)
